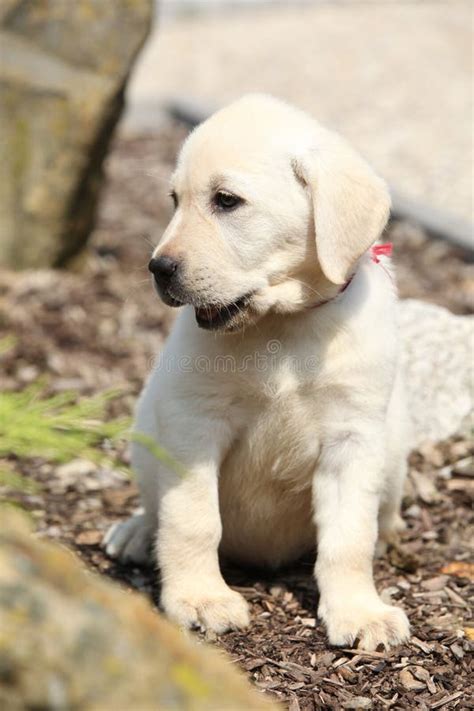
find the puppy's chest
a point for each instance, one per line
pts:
(281, 439)
(283, 398)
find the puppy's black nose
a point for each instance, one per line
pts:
(163, 268)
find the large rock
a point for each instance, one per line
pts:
(438, 352)
(63, 69)
(70, 640)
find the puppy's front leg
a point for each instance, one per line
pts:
(346, 491)
(193, 590)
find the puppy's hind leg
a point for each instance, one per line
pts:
(399, 442)
(129, 541)
(390, 521)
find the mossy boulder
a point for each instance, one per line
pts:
(72, 640)
(63, 71)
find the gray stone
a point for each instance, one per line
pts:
(438, 350)
(63, 70)
(70, 640)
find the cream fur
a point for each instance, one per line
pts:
(278, 456)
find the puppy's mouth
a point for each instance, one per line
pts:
(216, 316)
(213, 317)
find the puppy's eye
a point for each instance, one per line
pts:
(174, 198)
(226, 201)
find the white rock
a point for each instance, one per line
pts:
(357, 702)
(413, 511)
(75, 469)
(437, 355)
(409, 682)
(387, 594)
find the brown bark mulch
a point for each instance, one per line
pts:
(99, 326)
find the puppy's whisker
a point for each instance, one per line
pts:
(229, 312)
(139, 269)
(136, 287)
(148, 241)
(157, 175)
(307, 286)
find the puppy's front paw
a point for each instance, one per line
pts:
(212, 607)
(372, 624)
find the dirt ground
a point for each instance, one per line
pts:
(99, 326)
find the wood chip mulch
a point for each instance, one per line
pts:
(99, 326)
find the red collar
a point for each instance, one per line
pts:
(381, 250)
(378, 250)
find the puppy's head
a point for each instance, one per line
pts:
(272, 213)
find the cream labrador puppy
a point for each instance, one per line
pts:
(278, 391)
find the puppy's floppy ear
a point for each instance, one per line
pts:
(350, 204)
